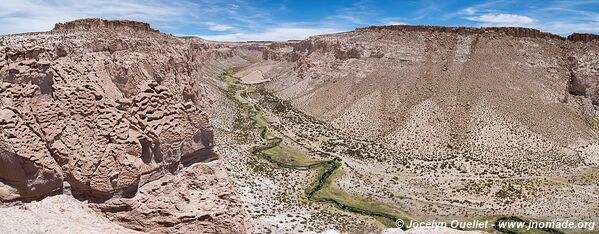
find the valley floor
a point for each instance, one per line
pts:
(296, 173)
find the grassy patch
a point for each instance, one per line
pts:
(287, 155)
(228, 77)
(321, 190)
(260, 120)
(383, 213)
(595, 123)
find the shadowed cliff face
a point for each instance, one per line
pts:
(100, 109)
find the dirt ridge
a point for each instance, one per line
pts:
(512, 31)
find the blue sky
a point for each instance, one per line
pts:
(242, 20)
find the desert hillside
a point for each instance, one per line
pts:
(461, 121)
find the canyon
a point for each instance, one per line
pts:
(142, 131)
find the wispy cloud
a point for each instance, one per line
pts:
(392, 21)
(395, 23)
(237, 20)
(560, 17)
(357, 14)
(218, 27)
(275, 34)
(35, 15)
(349, 18)
(469, 11)
(501, 19)
(562, 20)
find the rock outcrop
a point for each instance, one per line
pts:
(511, 31)
(583, 37)
(56, 214)
(578, 50)
(103, 109)
(90, 24)
(196, 200)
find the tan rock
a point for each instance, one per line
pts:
(96, 109)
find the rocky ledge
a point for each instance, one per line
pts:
(87, 24)
(585, 37)
(511, 31)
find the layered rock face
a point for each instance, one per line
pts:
(103, 110)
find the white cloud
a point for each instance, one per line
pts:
(35, 15)
(275, 34)
(566, 21)
(499, 19)
(395, 23)
(560, 17)
(469, 11)
(349, 18)
(218, 27)
(566, 27)
(392, 21)
(233, 6)
(238, 20)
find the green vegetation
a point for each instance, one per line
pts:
(287, 155)
(595, 123)
(274, 152)
(230, 79)
(280, 155)
(327, 192)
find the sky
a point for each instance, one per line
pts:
(250, 20)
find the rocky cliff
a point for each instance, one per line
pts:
(511, 31)
(103, 110)
(89, 24)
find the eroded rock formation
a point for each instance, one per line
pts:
(196, 200)
(104, 110)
